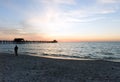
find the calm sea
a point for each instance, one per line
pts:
(92, 50)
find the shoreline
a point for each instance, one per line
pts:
(27, 68)
(66, 58)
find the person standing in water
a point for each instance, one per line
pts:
(16, 50)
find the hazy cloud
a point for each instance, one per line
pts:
(108, 1)
(53, 13)
(58, 1)
(48, 16)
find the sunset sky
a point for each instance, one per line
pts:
(63, 20)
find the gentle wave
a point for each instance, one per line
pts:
(92, 50)
(84, 57)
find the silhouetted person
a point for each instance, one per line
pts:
(16, 50)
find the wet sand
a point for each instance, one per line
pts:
(26, 68)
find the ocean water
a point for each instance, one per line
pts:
(92, 50)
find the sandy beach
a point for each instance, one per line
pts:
(26, 68)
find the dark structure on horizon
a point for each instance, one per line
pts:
(19, 40)
(22, 41)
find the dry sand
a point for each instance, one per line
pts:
(25, 68)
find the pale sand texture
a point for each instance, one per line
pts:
(25, 68)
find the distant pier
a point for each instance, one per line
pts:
(22, 41)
